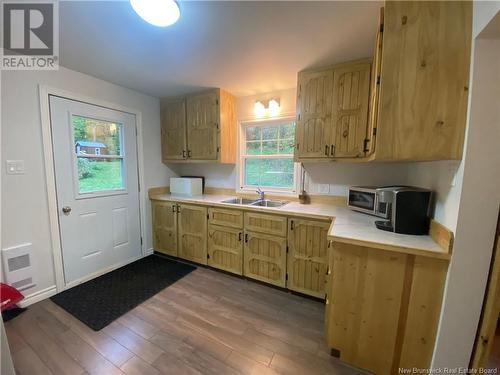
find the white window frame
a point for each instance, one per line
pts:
(294, 191)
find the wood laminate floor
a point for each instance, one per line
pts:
(206, 323)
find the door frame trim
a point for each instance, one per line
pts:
(45, 92)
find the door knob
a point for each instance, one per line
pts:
(66, 210)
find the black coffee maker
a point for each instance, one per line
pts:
(409, 209)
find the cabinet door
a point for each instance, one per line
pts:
(307, 256)
(193, 233)
(314, 114)
(173, 130)
(269, 224)
(424, 80)
(265, 258)
(225, 248)
(165, 228)
(351, 91)
(202, 126)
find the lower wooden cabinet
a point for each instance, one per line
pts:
(307, 256)
(225, 248)
(265, 258)
(165, 227)
(192, 233)
(383, 307)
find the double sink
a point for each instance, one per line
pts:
(255, 202)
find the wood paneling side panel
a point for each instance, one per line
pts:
(365, 305)
(192, 233)
(173, 129)
(307, 258)
(429, 276)
(225, 248)
(165, 227)
(228, 142)
(424, 80)
(265, 258)
(203, 125)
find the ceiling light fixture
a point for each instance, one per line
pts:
(157, 12)
(271, 110)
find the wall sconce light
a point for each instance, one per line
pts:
(272, 108)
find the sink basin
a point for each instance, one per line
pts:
(239, 201)
(268, 203)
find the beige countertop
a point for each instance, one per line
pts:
(347, 226)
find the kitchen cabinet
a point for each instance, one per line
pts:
(225, 248)
(307, 256)
(332, 111)
(199, 128)
(409, 104)
(173, 130)
(383, 307)
(265, 258)
(424, 80)
(165, 227)
(192, 233)
(225, 239)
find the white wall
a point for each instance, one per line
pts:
(24, 197)
(477, 195)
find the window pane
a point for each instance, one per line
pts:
(252, 133)
(99, 174)
(287, 130)
(269, 147)
(270, 132)
(253, 148)
(286, 146)
(96, 137)
(269, 172)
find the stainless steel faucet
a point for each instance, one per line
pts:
(261, 193)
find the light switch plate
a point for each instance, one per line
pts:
(15, 166)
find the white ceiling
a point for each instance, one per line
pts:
(244, 47)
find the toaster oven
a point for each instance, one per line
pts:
(366, 199)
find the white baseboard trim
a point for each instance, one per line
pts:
(38, 296)
(149, 251)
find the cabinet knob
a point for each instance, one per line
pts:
(345, 133)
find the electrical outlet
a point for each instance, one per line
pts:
(15, 166)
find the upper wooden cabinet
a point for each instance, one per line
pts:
(332, 111)
(424, 80)
(199, 128)
(409, 104)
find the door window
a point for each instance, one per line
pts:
(98, 146)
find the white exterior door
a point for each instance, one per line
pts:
(95, 159)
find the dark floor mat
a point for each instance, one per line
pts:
(100, 301)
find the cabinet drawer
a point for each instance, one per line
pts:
(269, 224)
(225, 217)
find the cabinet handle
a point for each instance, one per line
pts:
(173, 208)
(184, 154)
(332, 150)
(239, 237)
(189, 153)
(326, 150)
(178, 209)
(291, 224)
(246, 237)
